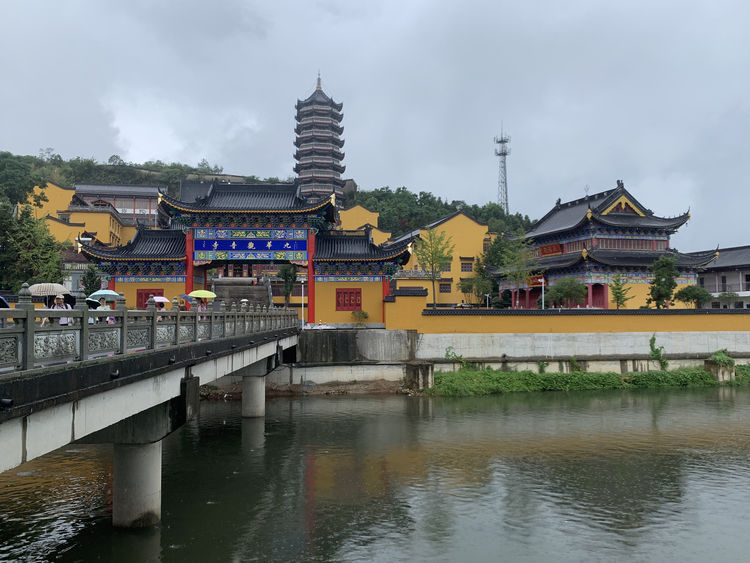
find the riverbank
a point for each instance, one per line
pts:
(468, 382)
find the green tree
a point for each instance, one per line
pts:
(619, 291)
(567, 291)
(28, 253)
(513, 254)
(728, 298)
(664, 282)
(288, 275)
(480, 284)
(434, 251)
(91, 280)
(18, 178)
(693, 295)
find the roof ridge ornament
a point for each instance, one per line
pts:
(318, 86)
(620, 185)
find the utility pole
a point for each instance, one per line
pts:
(502, 150)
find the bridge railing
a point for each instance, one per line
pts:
(32, 337)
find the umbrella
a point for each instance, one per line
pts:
(202, 294)
(67, 298)
(3, 303)
(108, 294)
(48, 289)
(92, 302)
(187, 298)
(161, 299)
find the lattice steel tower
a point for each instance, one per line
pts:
(502, 150)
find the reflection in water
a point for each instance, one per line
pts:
(587, 476)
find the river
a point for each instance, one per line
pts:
(594, 476)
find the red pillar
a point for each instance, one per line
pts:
(111, 283)
(526, 298)
(589, 297)
(386, 293)
(189, 260)
(310, 276)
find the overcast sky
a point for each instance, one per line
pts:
(654, 93)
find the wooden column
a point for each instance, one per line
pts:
(310, 276)
(386, 292)
(189, 260)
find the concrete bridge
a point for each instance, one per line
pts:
(128, 377)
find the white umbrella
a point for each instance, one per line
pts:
(160, 299)
(48, 289)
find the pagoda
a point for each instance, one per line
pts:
(319, 144)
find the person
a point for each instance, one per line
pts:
(59, 303)
(160, 308)
(202, 307)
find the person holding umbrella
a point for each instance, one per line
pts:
(59, 304)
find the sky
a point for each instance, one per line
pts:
(656, 94)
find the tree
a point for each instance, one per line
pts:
(728, 297)
(619, 291)
(693, 295)
(434, 251)
(91, 280)
(567, 291)
(288, 275)
(28, 252)
(514, 256)
(480, 284)
(18, 178)
(664, 282)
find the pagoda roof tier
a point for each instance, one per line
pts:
(318, 97)
(318, 125)
(322, 111)
(624, 258)
(615, 208)
(736, 257)
(247, 198)
(325, 149)
(148, 245)
(316, 137)
(335, 166)
(356, 246)
(319, 182)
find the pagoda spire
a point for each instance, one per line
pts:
(318, 87)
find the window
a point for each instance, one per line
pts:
(446, 268)
(445, 288)
(466, 266)
(723, 283)
(348, 299)
(142, 296)
(702, 282)
(715, 305)
(739, 305)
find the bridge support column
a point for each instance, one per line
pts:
(136, 495)
(254, 390)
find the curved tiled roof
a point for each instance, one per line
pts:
(147, 245)
(355, 246)
(728, 258)
(319, 97)
(246, 198)
(569, 215)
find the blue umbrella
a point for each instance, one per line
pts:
(108, 294)
(3, 303)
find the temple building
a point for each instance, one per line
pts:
(319, 144)
(236, 228)
(593, 239)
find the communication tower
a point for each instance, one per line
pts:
(502, 150)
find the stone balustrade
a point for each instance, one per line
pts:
(27, 340)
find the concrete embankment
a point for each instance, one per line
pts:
(370, 354)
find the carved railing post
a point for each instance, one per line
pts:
(122, 306)
(151, 308)
(176, 311)
(233, 310)
(212, 317)
(27, 348)
(83, 307)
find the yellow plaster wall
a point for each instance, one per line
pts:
(468, 237)
(107, 228)
(406, 313)
(355, 217)
(640, 294)
(325, 302)
(379, 237)
(62, 231)
(59, 198)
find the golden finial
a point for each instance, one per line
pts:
(585, 253)
(318, 87)
(588, 213)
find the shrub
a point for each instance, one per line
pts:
(722, 358)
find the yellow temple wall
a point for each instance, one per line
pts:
(354, 217)
(640, 294)
(58, 199)
(130, 290)
(63, 232)
(325, 302)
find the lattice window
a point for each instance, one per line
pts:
(445, 288)
(349, 299)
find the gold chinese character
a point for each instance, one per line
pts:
(234, 245)
(250, 245)
(268, 244)
(286, 245)
(216, 245)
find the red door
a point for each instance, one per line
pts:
(144, 294)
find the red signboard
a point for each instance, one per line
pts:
(549, 249)
(535, 281)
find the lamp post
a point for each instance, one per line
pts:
(487, 296)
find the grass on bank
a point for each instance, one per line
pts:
(469, 382)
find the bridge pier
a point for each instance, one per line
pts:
(136, 494)
(254, 389)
